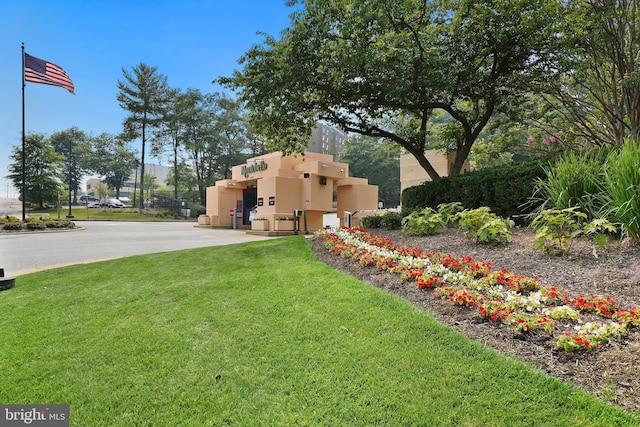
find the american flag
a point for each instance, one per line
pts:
(39, 71)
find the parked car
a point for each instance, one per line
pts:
(87, 199)
(93, 204)
(125, 200)
(111, 203)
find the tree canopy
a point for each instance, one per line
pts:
(74, 146)
(600, 98)
(42, 170)
(113, 160)
(381, 68)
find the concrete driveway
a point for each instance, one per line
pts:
(23, 253)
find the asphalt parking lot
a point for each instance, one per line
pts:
(23, 253)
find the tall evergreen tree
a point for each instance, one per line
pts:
(143, 93)
(169, 133)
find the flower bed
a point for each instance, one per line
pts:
(500, 296)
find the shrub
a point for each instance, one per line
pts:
(556, 229)
(197, 210)
(166, 213)
(65, 223)
(371, 221)
(485, 226)
(390, 220)
(36, 225)
(13, 226)
(449, 211)
(423, 223)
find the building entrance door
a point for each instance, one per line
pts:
(249, 200)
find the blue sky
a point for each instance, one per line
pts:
(191, 42)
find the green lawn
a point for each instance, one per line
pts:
(103, 214)
(258, 334)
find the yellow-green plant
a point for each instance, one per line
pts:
(449, 211)
(555, 229)
(485, 226)
(423, 223)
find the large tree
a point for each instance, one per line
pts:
(601, 97)
(198, 138)
(231, 134)
(142, 93)
(170, 133)
(74, 146)
(42, 170)
(113, 160)
(381, 68)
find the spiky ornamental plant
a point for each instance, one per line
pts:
(622, 176)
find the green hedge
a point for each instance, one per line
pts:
(13, 226)
(503, 189)
(36, 225)
(60, 223)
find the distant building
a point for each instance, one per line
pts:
(158, 172)
(326, 140)
(411, 173)
(91, 186)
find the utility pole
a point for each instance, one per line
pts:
(70, 215)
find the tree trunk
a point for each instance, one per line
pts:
(461, 156)
(426, 165)
(142, 168)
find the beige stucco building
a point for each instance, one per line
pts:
(411, 173)
(285, 186)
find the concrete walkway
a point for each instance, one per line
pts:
(23, 253)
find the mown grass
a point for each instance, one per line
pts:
(104, 214)
(258, 334)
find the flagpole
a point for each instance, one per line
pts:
(24, 192)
